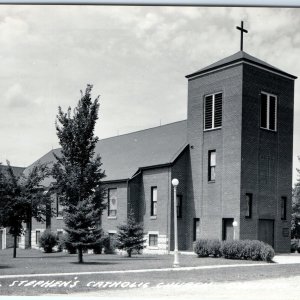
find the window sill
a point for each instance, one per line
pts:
(59, 218)
(211, 181)
(153, 217)
(212, 129)
(153, 247)
(112, 218)
(269, 130)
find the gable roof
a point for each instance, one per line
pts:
(16, 170)
(240, 56)
(122, 156)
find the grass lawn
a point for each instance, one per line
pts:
(37, 262)
(32, 261)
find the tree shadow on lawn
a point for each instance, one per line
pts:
(5, 267)
(92, 263)
(48, 256)
(139, 258)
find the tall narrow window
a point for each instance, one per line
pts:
(112, 202)
(196, 231)
(37, 236)
(268, 111)
(179, 206)
(153, 201)
(283, 208)
(212, 165)
(213, 111)
(59, 206)
(248, 206)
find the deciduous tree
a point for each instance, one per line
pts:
(22, 198)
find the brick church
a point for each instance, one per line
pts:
(232, 157)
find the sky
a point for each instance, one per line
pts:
(135, 57)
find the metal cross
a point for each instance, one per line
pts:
(242, 32)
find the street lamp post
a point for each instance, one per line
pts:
(175, 183)
(234, 224)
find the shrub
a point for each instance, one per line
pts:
(247, 249)
(201, 248)
(239, 249)
(63, 243)
(130, 236)
(294, 245)
(267, 253)
(47, 241)
(97, 248)
(214, 248)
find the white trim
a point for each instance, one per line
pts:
(268, 111)
(112, 231)
(213, 111)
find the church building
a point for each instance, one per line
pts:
(232, 157)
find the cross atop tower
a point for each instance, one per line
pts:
(242, 32)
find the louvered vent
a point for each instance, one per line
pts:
(213, 111)
(218, 110)
(208, 112)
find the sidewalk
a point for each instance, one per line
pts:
(287, 258)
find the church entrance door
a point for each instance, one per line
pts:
(266, 231)
(227, 232)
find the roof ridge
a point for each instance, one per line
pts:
(238, 57)
(150, 128)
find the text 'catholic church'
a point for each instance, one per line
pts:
(232, 157)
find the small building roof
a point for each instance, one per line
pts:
(240, 56)
(16, 170)
(122, 156)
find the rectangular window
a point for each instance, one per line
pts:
(213, 111)
(248, 206)
(59, 207)
(283, 208)
(212, 165)
(179, 206)
(268, 111)
(154, 201)
(153, 238)
(196, 231)
(37, 236)
(112, 202)
(59, 234)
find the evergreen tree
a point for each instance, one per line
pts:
(295, 221)
(78, 173)
(130, 236)
(22, 198)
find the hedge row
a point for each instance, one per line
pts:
(49, 240)
(240, 249)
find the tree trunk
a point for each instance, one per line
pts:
(80, 256)
(29, 233)
(15, 246)
(129, 252)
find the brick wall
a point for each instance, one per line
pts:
(179, 171)
(266, 156)
(161, 178)
(111, 223)
(213, 201)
